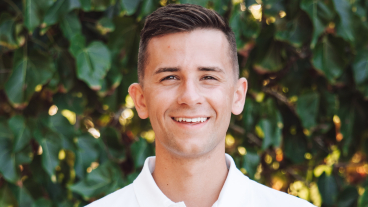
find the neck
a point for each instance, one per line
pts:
(196, 181)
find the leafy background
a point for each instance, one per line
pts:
(69, 133)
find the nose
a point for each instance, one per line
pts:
(189, 94)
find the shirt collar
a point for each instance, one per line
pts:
(235, 190)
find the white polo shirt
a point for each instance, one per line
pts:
(238, 190)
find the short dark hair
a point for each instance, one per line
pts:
(175, 18)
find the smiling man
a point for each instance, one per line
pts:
(188, 87)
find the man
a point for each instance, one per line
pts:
(188, 87)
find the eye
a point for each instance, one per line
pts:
(170, 77)
(209, 78)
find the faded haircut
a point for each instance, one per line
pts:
(175, 18)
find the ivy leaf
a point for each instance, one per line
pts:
(104, 179)
(70, 25)
(347, 197)
(360, 67)
(50, 142)
(113, 143)
(7, 160)
(6, 196)
(345, 27)
(139, 150)
(42, 203)
(328, 188)
(34, 11)
(148, 7)
(328, 58)
(244, 26)
(65, 65)
(294, 31)
(22, 195)
(295, 148)
(7, 25)
(130, 6)
(320, 14)
(86, 154)
(202, 3)
(363, 199)
(93, 62)
(69, 101)
(22, 134)
(307, 109)
(29, 71)
(250, 162)
(58, 10)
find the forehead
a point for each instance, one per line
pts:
(197, 48)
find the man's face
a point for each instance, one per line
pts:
(189, 91)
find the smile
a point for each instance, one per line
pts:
(190, 120)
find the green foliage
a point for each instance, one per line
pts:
(69, 133)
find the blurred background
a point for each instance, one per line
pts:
(69, 133)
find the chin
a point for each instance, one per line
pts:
(189, 149)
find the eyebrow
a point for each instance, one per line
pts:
(211, 69)
(163, 70)
(176, 69)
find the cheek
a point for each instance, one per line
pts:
(221, 101)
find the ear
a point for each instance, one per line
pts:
(239, 96)
(136, 92)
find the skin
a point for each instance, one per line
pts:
(188, 75)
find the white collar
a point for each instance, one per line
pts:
(235, 190)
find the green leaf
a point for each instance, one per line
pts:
(113, 143)
(65, 65)
(202, 3)
(345, 27)
(250, 162)
(244, 26)
(102, 180)
(22, 195)
(86, 154)
(295, 148)
(307, 109)
(34, 11)
(56, 12)
(69, 101)
(320, 14)
(148, 7)
(347, 197)
(130, 6)
(221, 6)
(328, 189)
(363, 199)
(294, 31)
(70, 25)
(105, 25)
(139, 152)
(24, 156)
(360, 67)
(7, 160)
(51, 143)
(6, 196)
(7, 27)
(329, 58)
(93, 62)
(249, 114)
(29, 71)
(42, 203)
(86, 5)
(22, 134)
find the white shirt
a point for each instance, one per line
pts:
(238, 190)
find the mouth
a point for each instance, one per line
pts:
(195, 120)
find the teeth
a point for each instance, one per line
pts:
(193, 120)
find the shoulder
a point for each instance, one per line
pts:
(265, 196)
(125, 195)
